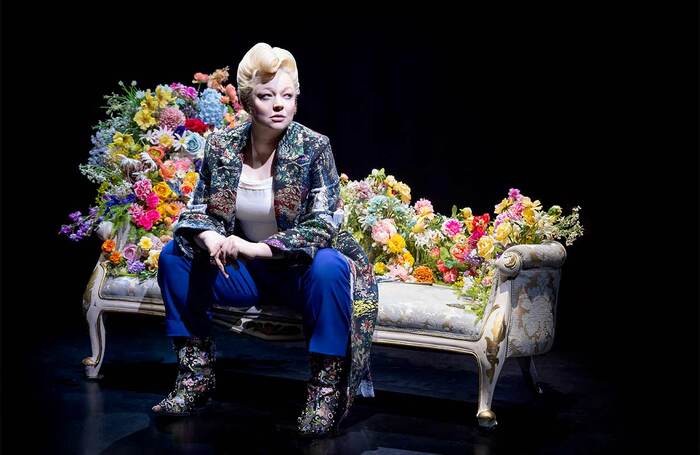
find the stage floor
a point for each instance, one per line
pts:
(425, 402)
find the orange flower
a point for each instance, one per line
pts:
(423, 274)
(156, 153)
(167, 170)
(186, 189)
(172, 209)
(115, 257)
(200, 77)
(108, 246)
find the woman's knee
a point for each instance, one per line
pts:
(329, 265)
(169, 259)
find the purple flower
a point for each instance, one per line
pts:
(514, 193)
(65, 229)
(129, 252)
(93, 211)
(75, 216)
(135, 266)
(74, 237)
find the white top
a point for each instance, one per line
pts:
(255, 208)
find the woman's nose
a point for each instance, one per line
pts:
(277, 107)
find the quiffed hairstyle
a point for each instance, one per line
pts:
(259, 65)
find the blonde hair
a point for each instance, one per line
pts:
(259, 65)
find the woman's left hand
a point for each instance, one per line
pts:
(233, 247)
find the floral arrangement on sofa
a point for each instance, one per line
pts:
(145, 159)
(413, 243)
(147, 153)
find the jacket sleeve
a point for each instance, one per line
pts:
(196, 217)
(317, 226)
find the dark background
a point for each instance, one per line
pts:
(574, 106)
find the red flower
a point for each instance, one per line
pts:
(196, 125)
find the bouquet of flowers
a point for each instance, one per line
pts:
(145, 160)
(412, 243)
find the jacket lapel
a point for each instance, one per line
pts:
(287, 171)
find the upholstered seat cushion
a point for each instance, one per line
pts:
(415, 308)
(427, 309)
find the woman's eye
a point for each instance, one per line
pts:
(264, 97)
(288, 96)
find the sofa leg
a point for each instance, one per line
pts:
(527, 366)
(488, 377)
(97, 342)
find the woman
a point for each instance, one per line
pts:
(263, 224)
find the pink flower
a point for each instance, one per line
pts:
(361, 189)
(514, 194)
(423, 207)
(200, 77)
(451, 227)
(398, 271)
(183, 164)
(129, 252)
(450, 276)
(153, 215)
(517, 211)
(152, 200)
(382, 230)
(435, 252)
(171, 117)
(231, 93)
(143, 188)
(136, 212)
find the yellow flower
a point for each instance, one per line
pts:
(466, 213)
(164, 97)
(408, 257)
(485, 247)
(123, 141)
(152, 261)
(145, 243)
(491, 230)
(418, 227)
(191, 177)
(503, 231)
(460, 238)
(390, 180)
(149, 102)
(526, 202)
(529, 215)
(166, 141)
(404, 192)
(144, 119)
(163, 190)
(502, 206)
(173, 209)
(396, 243)
(379, 268)
(163, 210)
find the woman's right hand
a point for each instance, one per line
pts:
(212, 241)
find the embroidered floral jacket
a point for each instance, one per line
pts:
(306, 190)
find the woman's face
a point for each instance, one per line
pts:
(275, 102)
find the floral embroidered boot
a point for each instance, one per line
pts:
(325, 397)
(195, 377)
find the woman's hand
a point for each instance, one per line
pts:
(212, 241)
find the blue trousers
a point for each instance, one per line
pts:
(320, 291)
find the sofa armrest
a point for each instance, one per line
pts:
(522, 257)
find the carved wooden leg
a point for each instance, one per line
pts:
(491, 357)
(97, 341)
(488, 377)
(527, 366)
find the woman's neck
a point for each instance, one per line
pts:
(263, 142)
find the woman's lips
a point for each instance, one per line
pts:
(277, 118)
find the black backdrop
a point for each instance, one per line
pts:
(575, 106)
